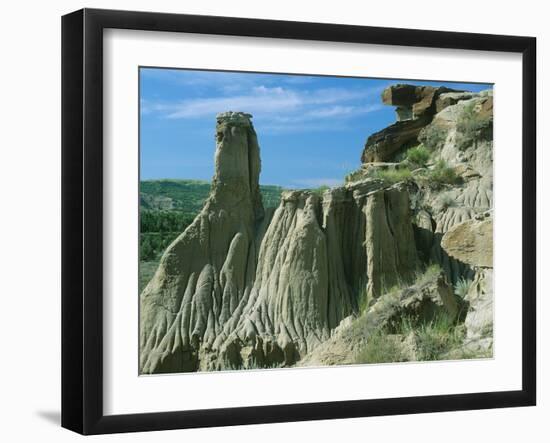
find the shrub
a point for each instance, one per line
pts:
(381, 348)
(435, 338)
(462, 287)
(443, 174)
(470, 126)
(418, 155)
(432, 137)
(393, 175)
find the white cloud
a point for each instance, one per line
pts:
(260, 101)
(275, 109)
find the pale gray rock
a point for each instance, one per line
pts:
(479, 319)
(389, 239)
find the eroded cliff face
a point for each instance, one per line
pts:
(243, 287)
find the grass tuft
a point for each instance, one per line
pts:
(443, 174)
(419, 155)
(392, 176)
(437, 338)
(381, 348)
(462, 287)
(434, 340)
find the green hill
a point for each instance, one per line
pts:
(189, 195)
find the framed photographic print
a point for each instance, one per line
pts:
(269, 221)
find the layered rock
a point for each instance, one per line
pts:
(415, 108)
(383, 145)
(414, 101)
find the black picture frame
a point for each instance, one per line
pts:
(82, 218)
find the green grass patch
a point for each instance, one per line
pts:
(437, 338)
(392, 176)
(381, 348)
(442, 174)
(419, 155)
(188, 196)
(433, 340)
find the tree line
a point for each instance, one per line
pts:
(158, 229)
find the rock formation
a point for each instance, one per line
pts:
(243, 287)
(415, 108)
(240, 288)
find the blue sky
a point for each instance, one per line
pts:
(311, 129)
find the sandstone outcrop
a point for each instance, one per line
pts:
(414, 101)
(415, 108)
